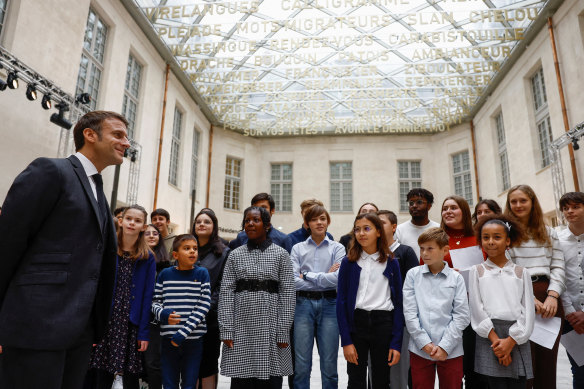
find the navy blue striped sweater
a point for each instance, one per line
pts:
(186, 292)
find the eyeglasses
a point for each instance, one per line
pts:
(153, 233)
(365, 229)
(417, 202)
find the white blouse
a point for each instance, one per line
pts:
(501, 293)
(373, 293)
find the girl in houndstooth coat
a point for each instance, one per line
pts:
(256, 308)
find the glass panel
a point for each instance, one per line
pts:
(416, 171)
(335, 196)
(275, 174)
(396, 66)
(286, 197)
(335, 171)
(287, 172)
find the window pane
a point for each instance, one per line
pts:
(275, 174)
(287, 172)
(335, 171)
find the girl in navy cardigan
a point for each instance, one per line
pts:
(369, 304)
(127, 331)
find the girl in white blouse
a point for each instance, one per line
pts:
(541, 254)
(502, 307)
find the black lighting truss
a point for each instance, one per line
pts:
(9, 64)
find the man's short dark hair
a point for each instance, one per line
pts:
(119, 210)
(421, 192)
(390, 215)
(93, 120)
(262, 197)
(178, 241)
(160, 212)
(571, 198)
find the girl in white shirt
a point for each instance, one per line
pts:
(541, 254)
(501, 305)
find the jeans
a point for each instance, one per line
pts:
(316, 318)
(181, 363)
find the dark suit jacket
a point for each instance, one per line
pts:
(57, 259)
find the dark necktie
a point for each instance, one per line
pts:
(101, 201)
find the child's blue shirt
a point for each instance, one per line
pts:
(435, 310)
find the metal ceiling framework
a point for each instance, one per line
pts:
(320, 67)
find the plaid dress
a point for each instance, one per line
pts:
(257, 320)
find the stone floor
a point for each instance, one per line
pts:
(564, 374)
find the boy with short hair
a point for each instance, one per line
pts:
(161, 219)
(182, 298)
(436, 312)
(572, 243)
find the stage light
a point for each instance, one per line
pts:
(31, 92)
(575, 144)
(12, 80)
(46, 102)
(3, 85)
(83, 98)
(59, 118)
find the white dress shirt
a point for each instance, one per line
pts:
(373, 293)
(90, 170)
(501, 293)
(573, 248)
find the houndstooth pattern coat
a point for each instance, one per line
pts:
(257, 320)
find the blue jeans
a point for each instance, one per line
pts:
(577, 371)
(181, 362)
(316, 318)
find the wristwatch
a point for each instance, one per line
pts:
(304, 275)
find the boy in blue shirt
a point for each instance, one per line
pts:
(182, 298)
(436, 311)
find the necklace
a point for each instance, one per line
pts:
(458, 238)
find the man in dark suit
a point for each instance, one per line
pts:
(58, 259)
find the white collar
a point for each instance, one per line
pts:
(394, 246)
(365, 256)
(88, 166)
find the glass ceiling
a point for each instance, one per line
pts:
(310, 67)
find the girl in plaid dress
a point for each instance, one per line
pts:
(256, 308)
(501, 305)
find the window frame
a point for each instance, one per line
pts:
(129, 97)
(542, 117)
(408, 182)
(93, 65)
(341, 181)
(195, 158)
(505, 180)
(175, 147)
(465, 175)
(232, 197)
(3, 13)
(283, 204)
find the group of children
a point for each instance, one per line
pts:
(377, 292)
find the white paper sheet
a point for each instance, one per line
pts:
(545, 331)
(464, 259)
(574, 344)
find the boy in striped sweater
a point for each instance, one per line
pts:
(181, 301)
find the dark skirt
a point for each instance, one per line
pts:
(487, 363)
(118, 350)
